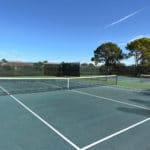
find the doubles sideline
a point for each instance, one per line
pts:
(41, 119)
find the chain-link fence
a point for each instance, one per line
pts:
(71, 69)
(21, 71)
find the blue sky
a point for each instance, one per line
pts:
(68, 30)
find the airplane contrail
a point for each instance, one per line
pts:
(124, 18)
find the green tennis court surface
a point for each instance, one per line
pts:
(95, 118)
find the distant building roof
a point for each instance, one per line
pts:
(17, 64)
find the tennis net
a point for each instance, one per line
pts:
(35, 85)
(145, 78)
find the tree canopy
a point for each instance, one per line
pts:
(40, 63)
(3, 61)
(140, 49)
(108, 53)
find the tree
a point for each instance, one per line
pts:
(40, 63)
(84, 64)
(45, 61)
(91, 65)
(3, 61)
(140, 49)
(108, 53)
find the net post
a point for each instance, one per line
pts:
(141, 80)
(68, 83)
(106, 78)
(116, 80)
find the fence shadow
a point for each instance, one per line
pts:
(146, 92)
(143, 102)
(136, 111)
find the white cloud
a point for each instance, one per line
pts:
(124, 18)
(139, 36)
(132, 39)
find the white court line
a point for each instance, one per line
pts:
(41, 119)
(109, 99)
(123, 88)
(115, 134)
(127, 88)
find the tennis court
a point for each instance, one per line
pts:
(73, 114)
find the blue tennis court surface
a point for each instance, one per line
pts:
(95, 118)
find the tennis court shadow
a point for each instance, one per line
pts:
(144, 102)
(137, 111)
(146, 92)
